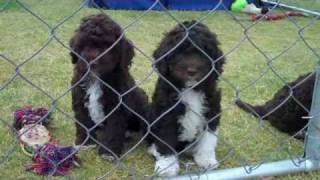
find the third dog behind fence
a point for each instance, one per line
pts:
(287, 117)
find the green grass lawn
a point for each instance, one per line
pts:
(21, 35)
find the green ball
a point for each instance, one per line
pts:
(238, 5)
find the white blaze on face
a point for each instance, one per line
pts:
(95, 108)
(193, 121)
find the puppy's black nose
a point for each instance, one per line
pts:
(191, 71)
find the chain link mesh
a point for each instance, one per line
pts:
(261, 57)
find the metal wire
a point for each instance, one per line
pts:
(119, 163)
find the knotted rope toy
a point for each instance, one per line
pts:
(53, 159)
(31, 131)
(29, 115)
(32, 136)
(48, 157)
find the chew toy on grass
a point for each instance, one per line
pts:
(48, 157)
(273, 17)
(32, 136)
(31, 132)
(53, 159)
(29, 115)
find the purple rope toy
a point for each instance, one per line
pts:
(48, 160)
(29, 115)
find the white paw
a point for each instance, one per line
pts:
(167, 166)
(206, 161)
(153, 151)
(108, 157)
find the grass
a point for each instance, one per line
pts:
(22, 35)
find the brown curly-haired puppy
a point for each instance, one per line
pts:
(191, 117)
(283, 113)
(99, 78)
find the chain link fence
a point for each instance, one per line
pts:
(261, 57)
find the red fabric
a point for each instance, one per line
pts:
(273, 17)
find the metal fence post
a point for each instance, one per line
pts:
(273, 3)
(312, 143)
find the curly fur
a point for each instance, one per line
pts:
(288, 117)
(92, 99)
(188, 120)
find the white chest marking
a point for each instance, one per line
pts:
(193, 121)
(95, 108)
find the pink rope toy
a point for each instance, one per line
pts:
(29, 115)
(53, 159)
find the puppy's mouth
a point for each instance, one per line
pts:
(190, 83)
(98, 71)
(95, 71)
(192, 80)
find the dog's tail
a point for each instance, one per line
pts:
(257, 111)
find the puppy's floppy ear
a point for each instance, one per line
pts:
(221, 61)
(168, 43)
(74, 57)
(161, 65)
(212, 48)
(127, 53)
(208, 41)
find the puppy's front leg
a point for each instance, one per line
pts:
(167, 163)
(204, 151)
(84, 121)
(112, 136)
(82, 134)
